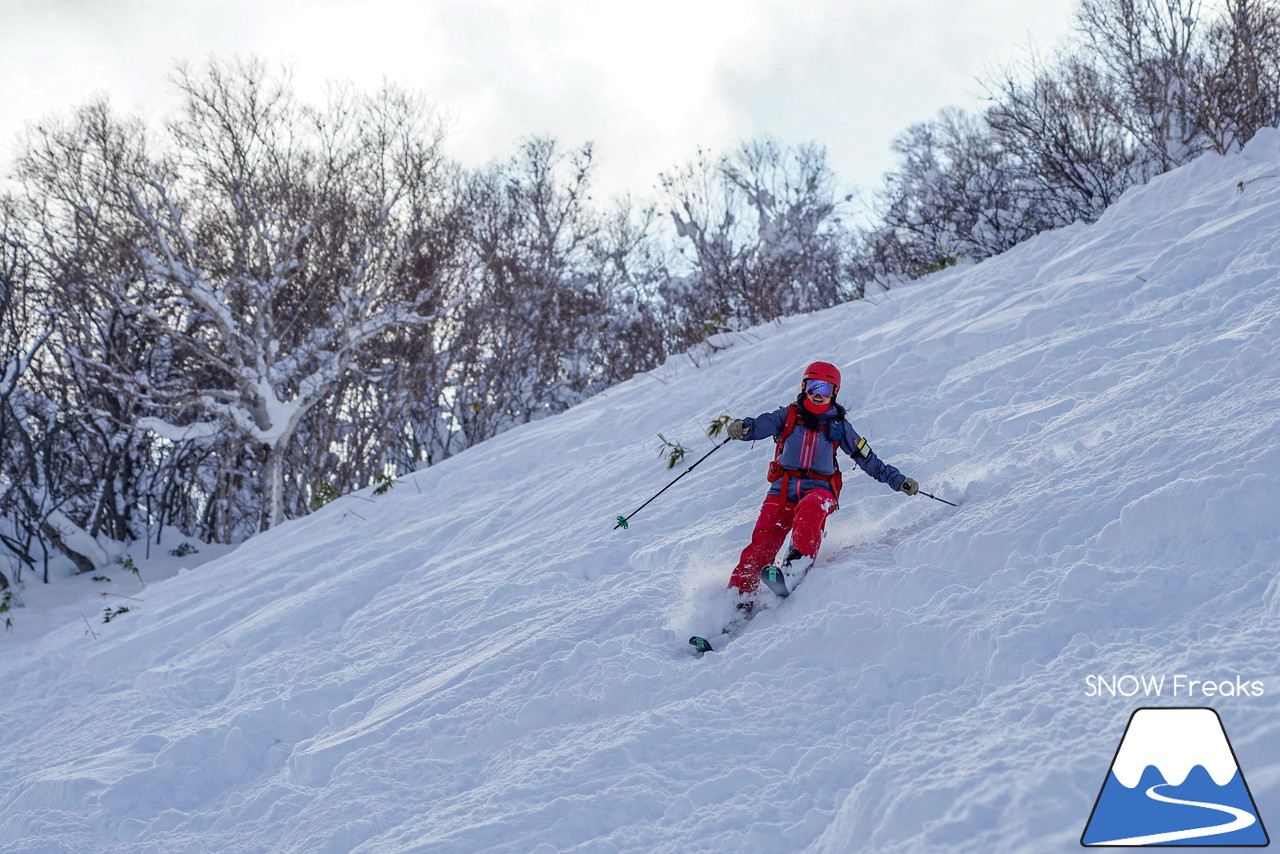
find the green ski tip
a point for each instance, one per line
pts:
(622, 523)
(774, 579)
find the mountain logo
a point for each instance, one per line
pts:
(1175, 781)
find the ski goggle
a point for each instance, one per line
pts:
(819, 388)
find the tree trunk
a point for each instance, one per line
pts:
(83, 564)
(274, 477)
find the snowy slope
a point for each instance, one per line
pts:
(477, 662)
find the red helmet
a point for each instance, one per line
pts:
(822, 371)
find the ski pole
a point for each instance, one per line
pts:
(622, 520)
(936, 498)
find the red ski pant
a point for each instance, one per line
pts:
(806, 521)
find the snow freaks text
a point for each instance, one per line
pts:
(1178, 685)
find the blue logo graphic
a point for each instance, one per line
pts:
(1175, 781)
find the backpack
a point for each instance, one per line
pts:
(776, 472)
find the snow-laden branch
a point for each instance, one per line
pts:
(174, 433)
(17, 366)
(192, 284)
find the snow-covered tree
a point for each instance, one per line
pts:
(536, 311)
(791, 196)
(1145, 49)
(632, 263)
(216, 291)
(285, 242)
(58, 440)
(1237, 79)
(21, 338)
(1058, 127)
(760, 234)
(957, 193)
(23, 330)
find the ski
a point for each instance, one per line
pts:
(775, 578)
(701, 644)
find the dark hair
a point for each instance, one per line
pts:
(809, 419)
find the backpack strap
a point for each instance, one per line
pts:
(776, 471)
(793, 415)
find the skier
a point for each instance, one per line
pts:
(804, 476)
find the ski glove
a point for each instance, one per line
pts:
(909, 486)
(737, 429)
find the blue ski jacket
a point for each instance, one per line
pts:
(813, 450)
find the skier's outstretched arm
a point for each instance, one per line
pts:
(857, 447)
(767, 425)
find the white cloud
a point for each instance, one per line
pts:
(647, 83)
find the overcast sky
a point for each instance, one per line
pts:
(646, 82)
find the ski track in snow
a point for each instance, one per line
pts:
(480, 664)
(1240, 819)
